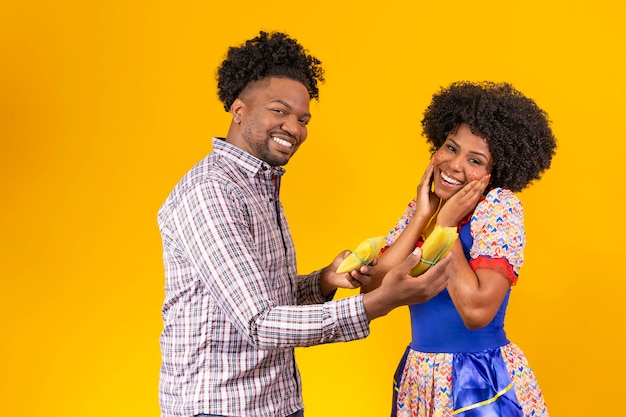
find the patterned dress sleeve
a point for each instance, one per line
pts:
(497, 227)
(401, 225)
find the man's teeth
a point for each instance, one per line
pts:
(282, 142)
(450, 180)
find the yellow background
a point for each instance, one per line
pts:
(104, 105)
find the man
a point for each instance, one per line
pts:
(235, 307)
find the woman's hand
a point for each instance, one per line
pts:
(427, 201)
(463, 203)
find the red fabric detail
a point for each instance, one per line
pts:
(419, 244)
(499, 263)
(467, 220)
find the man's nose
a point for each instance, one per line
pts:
(292, 126)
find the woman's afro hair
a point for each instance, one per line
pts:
(516, 129)
(269, 54)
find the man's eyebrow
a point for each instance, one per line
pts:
(284, 103)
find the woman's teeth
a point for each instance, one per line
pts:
(450, 180)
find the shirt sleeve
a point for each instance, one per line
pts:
(214, 225)
(497, 227)
(310, 291)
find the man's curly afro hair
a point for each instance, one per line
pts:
(516, 129)
(269, 54)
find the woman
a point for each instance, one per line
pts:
(487, 141)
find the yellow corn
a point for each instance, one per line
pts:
(435, 247)
(364, 254)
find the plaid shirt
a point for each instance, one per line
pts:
(235, 306)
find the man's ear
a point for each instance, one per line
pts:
(237, 109)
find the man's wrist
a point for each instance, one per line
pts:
(326, 288)
(375, 305)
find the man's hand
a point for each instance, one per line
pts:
(331, 280)
(399, 288)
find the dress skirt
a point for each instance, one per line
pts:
(493, 383)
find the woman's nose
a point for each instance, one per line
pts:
(456, 163)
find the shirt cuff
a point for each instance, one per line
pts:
(345, 320)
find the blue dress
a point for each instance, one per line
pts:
(449, 370)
